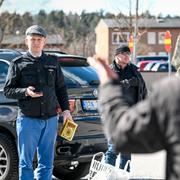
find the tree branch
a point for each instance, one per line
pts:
(1, 2)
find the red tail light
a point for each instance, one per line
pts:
(72, 105)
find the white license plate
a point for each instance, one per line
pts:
(90, 105)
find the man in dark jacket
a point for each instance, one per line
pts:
(149, 126)
(134, 86)
(36, 81)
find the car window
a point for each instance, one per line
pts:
(3, 71)
(152, 58)
(9, 55)
(77, 71)
(163, 67)
(80, 76)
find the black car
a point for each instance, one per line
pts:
(72, 158)
(4, 65)
(8, 54)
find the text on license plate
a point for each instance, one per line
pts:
(91, 105)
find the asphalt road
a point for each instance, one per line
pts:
(146, 166)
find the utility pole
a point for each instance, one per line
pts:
(1, 2)
(130, 16)
(135, 32)
(1, 31)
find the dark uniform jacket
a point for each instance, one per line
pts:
(44, 73)
(149, 126)
(131, 80)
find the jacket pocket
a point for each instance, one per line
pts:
(51, 73)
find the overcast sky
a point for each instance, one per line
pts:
(114, 6)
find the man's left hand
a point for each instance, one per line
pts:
(66, 115)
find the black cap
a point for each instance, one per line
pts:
(122, 49)
(36, 30)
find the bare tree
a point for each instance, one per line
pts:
(1, 2)
(1, 31)
(136, 31)
(131, 23)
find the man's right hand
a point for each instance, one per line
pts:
(30, 91)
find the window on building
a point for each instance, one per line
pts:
(115, 38)
(151, 53)
(151, 38)
(161, 37)
(162, 53)
(120, 37)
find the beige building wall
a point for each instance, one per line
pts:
(113, 47)
(102, 40)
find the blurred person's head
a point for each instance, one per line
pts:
(122, 55)
(35, 39)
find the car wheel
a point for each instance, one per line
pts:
(68, 172)
(8, 158)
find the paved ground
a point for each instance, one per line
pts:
(147, 167)
(151, 166)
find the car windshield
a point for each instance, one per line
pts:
(152, 58)
(77, 71)
(165, 67)
(80, 76)
(8, 55)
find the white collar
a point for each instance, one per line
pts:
(36, 56)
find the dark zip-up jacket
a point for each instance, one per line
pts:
(44, 73)
(134, 79)
(149, 126)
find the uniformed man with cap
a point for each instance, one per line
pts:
(134, 87)
(37, 82)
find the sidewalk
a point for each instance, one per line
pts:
(148, 166)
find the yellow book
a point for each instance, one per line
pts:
(68, 130)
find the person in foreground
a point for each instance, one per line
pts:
(36, 81)
(134, 86)
(149, 126)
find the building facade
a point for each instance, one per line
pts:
(110, 33)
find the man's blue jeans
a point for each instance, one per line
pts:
(111, 156)
(36, 134)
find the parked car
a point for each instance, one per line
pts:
(142, 64)
(151, 58)
(149, 66)
(4, 65)
(162, 67)
(9, 54)
(72, 158)
(6, 55)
